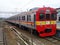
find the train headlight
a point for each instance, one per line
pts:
(53, 22)
(47, 22)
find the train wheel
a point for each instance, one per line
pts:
(35, 32)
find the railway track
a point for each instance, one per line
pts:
(56, 38)
(26, 40)
(53, 40)
(22, 38)
(3, 40)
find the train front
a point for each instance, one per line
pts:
(46, 21)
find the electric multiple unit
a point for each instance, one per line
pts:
(41, 20)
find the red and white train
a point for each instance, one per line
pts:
(41, 20)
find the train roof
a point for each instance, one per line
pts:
(36, 8)
(33, 10)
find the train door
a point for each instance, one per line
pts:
(29, 20)
(34, 20)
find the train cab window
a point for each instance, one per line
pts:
(42, 16)
(47, 16)
(23, 17)
(53, 17)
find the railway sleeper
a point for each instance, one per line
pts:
(25, 38)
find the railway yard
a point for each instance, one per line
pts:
(33, 23)
(12, 35)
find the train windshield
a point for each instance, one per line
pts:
(47, 16)
(53, 16)
(42, 17)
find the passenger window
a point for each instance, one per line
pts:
(23, 17)
(28, 17)
(42, 17)
(19, 17)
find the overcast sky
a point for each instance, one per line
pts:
(23, 5)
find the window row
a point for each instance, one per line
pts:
(24, 18)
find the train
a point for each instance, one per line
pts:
(41, 20)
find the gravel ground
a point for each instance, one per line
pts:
(10, 36)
